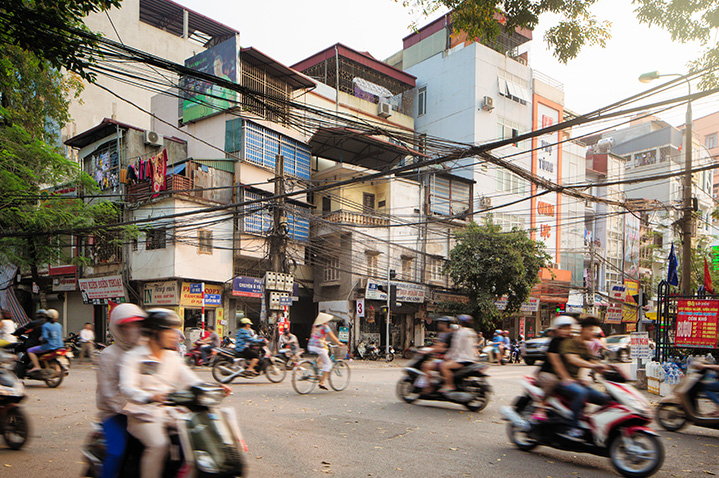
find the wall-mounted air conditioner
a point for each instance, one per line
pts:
(488, 103)
(152, 138)
(385, 109)
(485, 203)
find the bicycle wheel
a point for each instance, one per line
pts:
(304, 377)
(340, 376)
(275, 371)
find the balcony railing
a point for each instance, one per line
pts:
(355, 217)
(177, 184)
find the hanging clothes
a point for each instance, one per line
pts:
(159, 172)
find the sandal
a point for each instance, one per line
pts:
(323, 387)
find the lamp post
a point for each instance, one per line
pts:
(688, 218)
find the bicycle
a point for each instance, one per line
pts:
(306, 374)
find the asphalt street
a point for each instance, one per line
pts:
(363, 431)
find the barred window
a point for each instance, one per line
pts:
(155, 239)
(204, 238)
(262, 146)
(332, 269)
(449, 197)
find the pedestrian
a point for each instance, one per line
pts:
(87, 342)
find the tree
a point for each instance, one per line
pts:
(577, 26)
(53, 30)
(31, 161)
(488, 263)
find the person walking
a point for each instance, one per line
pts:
(318, 345)
(87, 342)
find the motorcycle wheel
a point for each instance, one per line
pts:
(476, 388)
(389, 357)
(406, 390)
(637, 465)
(16, 429)
(671, 416)
(304, 377)
(339, 376)
(189, 361)
(221, 370)
(521, 438)
(529, 361)
(55, 382)
(275, 371)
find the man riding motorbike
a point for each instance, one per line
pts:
(289, 341)
(710, 388)
(125, 322)
(438, 348)
(498, 344)
(576, 355)
(462, 351)
(244, 339)
(51, 339)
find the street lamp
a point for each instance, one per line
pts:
(687, 195)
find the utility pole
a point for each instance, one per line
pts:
(278, 239)
(688, 212)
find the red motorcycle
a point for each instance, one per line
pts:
(193, 356)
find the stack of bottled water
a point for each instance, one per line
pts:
(672, 372)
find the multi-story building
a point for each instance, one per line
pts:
(706, 130)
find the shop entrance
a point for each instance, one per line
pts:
(193, 318)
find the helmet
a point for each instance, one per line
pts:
(497, 332)
(41, 314)
(563, 321)
(161, 319)
(52, 314)
(126, 313)
(464, 318)
(445, 318)
(246, 321)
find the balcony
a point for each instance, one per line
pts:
(142, 191)
(355, 217)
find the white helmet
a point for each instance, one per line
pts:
(563, 321)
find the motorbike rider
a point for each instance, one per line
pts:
(575, 356)
(149, 372)
(481, 341)
(498, 343)
(438, 348)
(244, 339)
(710, 388)
(125, 322)
(7, 327)
(462, 351)
(51, 339)
(210, 342)
(288, 340)
(553, 370)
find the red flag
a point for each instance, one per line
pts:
(707, 278)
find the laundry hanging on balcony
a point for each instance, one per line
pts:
(158, 168)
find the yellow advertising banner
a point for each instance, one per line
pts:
(219, 321)
(629, 312)
(188, 298)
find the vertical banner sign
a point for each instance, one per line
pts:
(639, 345)
(697, 323)
(614, 309)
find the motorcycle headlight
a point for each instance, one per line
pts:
(205, 462)
(210, 398)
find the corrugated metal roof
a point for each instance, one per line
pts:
(227, 165)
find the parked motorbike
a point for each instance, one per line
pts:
(228, 365)
(205, 440)
(368, 351)
(472, 389)
(681, 407)
(55, 365)
(516, 353)
(14, 424)
(618, 429)
(389, 356)
(73, 345)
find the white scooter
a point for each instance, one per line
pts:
(617, 429)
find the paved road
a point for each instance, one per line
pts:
(360, 432)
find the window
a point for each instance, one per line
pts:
(262, 146)
(449, 196)
(711, 141)
(422, 101)
(368, 203)
(372, 263)
(155, 239)
(332, 269)
(645, 158)
(507, 221)
(204, 238)
(510, 182)
(514, 90)
(103, 165)
(257, 219)
(435, 269)
(507, 129)
(407, 267)
(326, 205)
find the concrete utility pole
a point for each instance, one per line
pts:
(278, 239)
(688, 210)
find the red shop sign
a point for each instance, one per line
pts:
(697, 323)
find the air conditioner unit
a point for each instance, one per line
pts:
(385, 109)
(485, 203)
(488, 103)
(152, 138)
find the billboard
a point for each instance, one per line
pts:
(697, 322)
(202, 98)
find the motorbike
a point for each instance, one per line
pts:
(73, 345)
(617, 429)
(389, 356)
(228, 365)
(515, 355)
(205, 439)
(14, 424)
(54, 363)
(284, 356)
(193, 356)
(471, 387)
(490, 352)
(681, 407)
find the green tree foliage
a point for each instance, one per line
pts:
(488, 263)
(577, 26)
(46, 28)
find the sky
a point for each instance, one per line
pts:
(290, 31)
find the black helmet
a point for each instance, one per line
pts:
(161, 319)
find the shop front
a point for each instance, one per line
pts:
(101, 293)
(186, 298)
